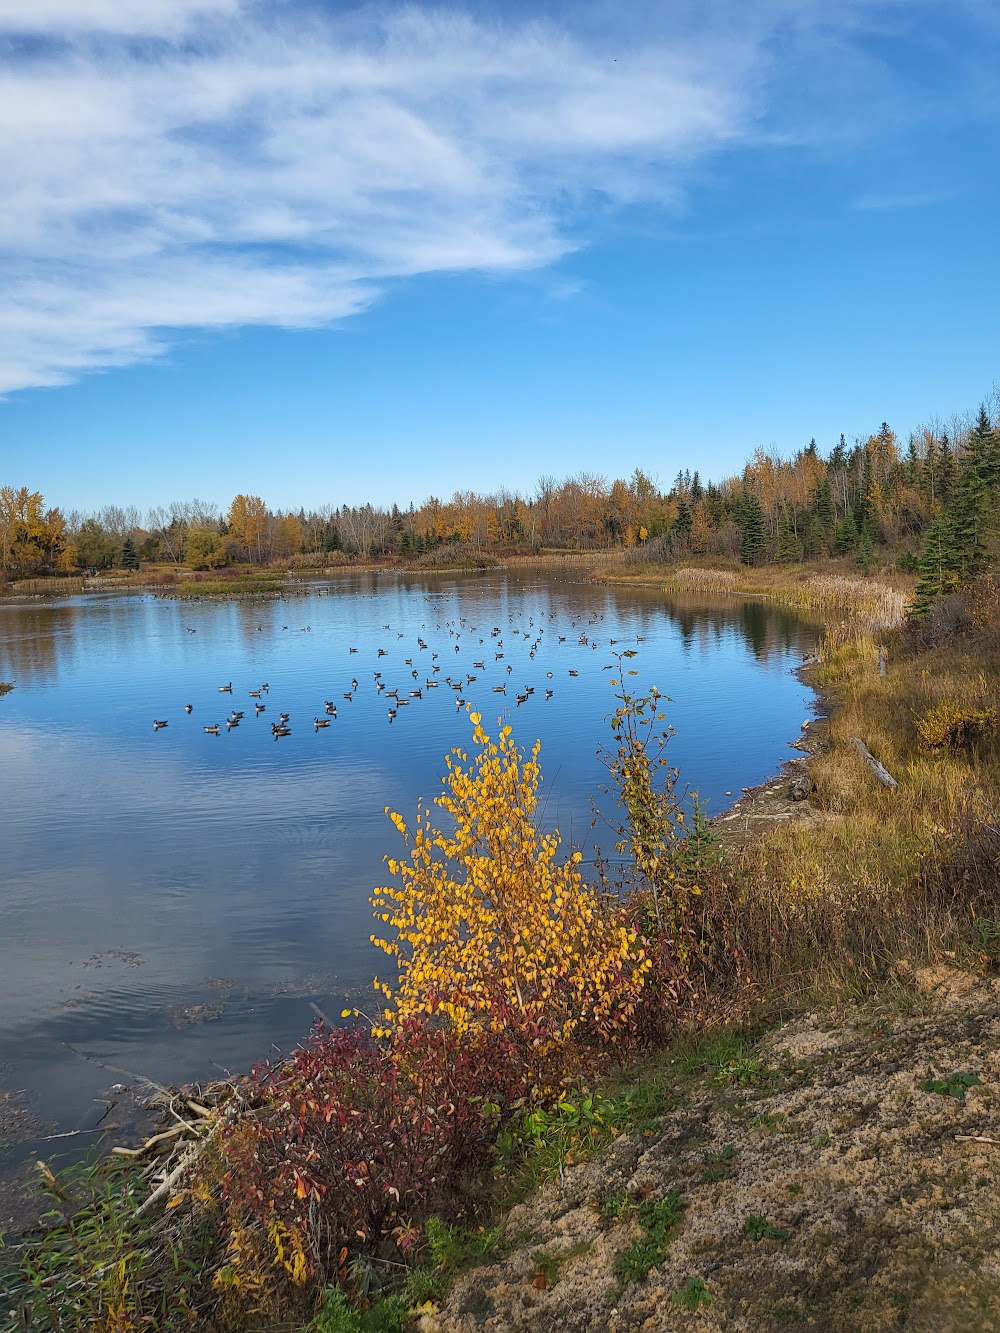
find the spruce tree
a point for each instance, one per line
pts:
(866, 549)
(845, 538)
(946, 469)
(823, 506)
(937, 567)
(789, 547)
(815, 539)
(970, 502)
(129, 558)
(754, 538)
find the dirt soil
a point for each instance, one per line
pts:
(882, 1195)
(760, 810)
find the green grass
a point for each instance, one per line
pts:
(388, 1315)
(659, 1221)
(692, 1295)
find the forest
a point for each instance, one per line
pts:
(929, 508)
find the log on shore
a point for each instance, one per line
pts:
(882, 773)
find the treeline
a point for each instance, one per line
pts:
(932, 506)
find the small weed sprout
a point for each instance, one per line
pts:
(954, 1085)
(759, 1228)
(692, 1295)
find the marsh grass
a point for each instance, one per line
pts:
(873, 604)
(235, 585)
(885, 875)
(45, 587)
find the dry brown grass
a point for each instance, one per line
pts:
(886, 875)
(45, 587)
(873, 604)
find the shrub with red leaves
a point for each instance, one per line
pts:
(351, 1140)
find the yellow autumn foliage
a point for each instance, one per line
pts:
(489, 924)
(956, 726)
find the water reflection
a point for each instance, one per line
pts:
(34, 639)
(153, 875)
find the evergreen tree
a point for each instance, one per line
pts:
(845, 537)
(838, 455)
(929, 476)
(911, 466)
(823, 505)
(936, 566)
(973, 505)
(947, 469)
(862, 498)
(129, 558)
(866, 550)
(753, 541)
(789, 547)
(714, 505)
(815, 539)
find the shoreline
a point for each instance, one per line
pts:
(754, 813)
(758, 810)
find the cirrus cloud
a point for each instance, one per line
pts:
(170, 164)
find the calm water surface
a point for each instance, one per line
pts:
(171, 901)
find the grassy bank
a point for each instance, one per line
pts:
(890, 873)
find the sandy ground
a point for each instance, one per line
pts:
(883, 1195)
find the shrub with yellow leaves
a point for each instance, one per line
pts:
(955, 726)
(492, 927)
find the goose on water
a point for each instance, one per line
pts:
(158, 725)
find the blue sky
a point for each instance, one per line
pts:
(332, 253)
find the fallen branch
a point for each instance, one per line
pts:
(170, 1133)
(69, 1134)
(882, 773)
(976, 1138)
(188, 1158)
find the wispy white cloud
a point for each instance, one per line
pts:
(212, 163)
(122, 17)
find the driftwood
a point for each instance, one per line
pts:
(883, 775)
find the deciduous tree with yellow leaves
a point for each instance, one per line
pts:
(491, 926)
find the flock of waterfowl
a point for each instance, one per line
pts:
(426, 673)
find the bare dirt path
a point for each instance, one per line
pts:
(832, 1188)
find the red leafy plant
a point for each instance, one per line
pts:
(352, 1142)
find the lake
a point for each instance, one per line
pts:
(173, 901)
